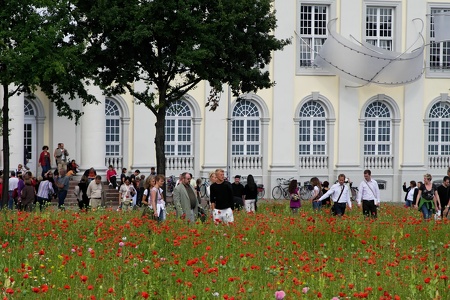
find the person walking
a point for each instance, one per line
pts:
(369, 195)
(62, 182)
(340, 195)
(44, 161)
(250, 194)
(61, 156)
(95, 192)
(222, 199)
(185, 200)
(411, 193)
(427, 200)
(157, 200)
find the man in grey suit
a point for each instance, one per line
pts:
(185, 200)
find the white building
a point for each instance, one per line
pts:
(309, 124)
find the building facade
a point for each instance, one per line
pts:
(311, 123)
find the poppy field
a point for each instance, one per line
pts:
(268, 255)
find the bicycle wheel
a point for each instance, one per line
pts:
(286, 193)
(305, 193)
(277, 192)
(202, 190)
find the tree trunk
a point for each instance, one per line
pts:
(5, 127)
(160, 136)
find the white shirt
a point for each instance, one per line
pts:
(334, 193)
(410, 195)
(13, 183)
(368, 190)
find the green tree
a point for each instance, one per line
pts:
(37, 52)
(172, 45)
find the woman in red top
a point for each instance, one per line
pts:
(44, 160)
(111, 176)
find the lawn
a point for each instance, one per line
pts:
(113, 255)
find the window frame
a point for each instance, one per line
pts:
(331, 14)
(396, 23)
(246, 126)
(436, 72)
(377, 142)
(311, 127)
(439, 143)
(116, 119)
(179, 130)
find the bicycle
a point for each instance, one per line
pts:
(203, 187)
(261, 191)
(280, 191)
(306, 191)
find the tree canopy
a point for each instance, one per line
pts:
(172, 45)
(37, 53)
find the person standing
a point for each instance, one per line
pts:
(61, 155)
(317, 193)
(369, 194)
(238, 192)
(44, 160)
(185, 200)
(95, 192)
(152, 171)
(444, 194)
(157, 201)
(27, 196)
(62, 182)
(222, 199)
(45, 193)
(126, 193)
(250, 194)
(82, 197)
(340, 195)
(411, 193)
(13, 184)
(427, 200)
(294, 196)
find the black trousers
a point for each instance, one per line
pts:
(369, 208)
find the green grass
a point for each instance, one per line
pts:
(112, 255)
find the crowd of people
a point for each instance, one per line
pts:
(136, 190)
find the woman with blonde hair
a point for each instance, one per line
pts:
(427, 200)
(317, 193)
(157, 202)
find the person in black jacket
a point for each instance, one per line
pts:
(411, 193)
(238, 192)
(250, 194)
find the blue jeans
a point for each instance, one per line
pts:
(62, 194)
(317, 205)
(426, 212)
(45, 169)
(408, 203)
(10, 200)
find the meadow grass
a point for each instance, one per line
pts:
(113, 255)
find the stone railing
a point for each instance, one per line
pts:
(313, 162)
(115, 161)
(378, 162)
(246, 162)
(438, 162)
(182, 163)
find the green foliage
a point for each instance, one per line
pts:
(173, 45)
(36, 52)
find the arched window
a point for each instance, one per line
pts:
(113, 128)
(28, 128)
(178, 129)
(377, 129)
(439, 129)
(245, 129)
(312, 129)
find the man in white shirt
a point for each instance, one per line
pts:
(94, 192)
(340, 195)
(369, 195)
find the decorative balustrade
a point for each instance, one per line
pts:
(313, 162)
(378, 162)
(182, 163)
(115, 161)
(438, 162)
(246, 162)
